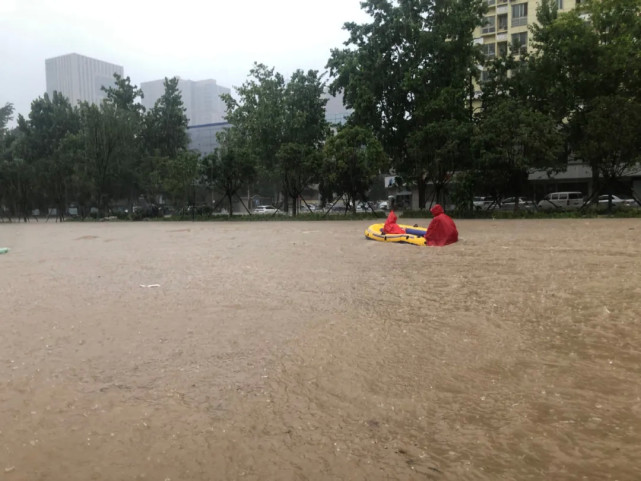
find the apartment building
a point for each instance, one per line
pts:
(506, 26)
(80, 78)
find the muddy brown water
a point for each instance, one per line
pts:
(302, 351)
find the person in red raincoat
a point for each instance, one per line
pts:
(391, 227)
(442, 230)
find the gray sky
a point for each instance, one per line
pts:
(193, 39)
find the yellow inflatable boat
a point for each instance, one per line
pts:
(413, 235)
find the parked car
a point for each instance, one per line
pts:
(508, 204)
(562, 201)
(383, 205)
(478, 203)
(485, 203)
(616, 201)
(265, 209)
(307, 208)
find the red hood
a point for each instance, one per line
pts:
(391, 227)
(391, 218)
(437, 210)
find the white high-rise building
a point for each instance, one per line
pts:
(80, 78)
(201, 99)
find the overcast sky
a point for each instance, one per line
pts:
(193, 39)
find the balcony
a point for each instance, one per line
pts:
(490, 25)
(519, 21)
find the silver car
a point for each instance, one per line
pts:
(508, 204)
(265, 209)
(616, 201)
(562, 201)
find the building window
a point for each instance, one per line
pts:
(559, 4)
(502, 20)
(519, 41)
(491, 3)
(489, 50)
(502, 48)
(490, 24)
(519, 14)
(485, 76)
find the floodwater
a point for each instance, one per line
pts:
(302, 351)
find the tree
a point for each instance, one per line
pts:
(585, 66)
(353, 160)
(299, 157)
(124, 97)
(283, 124)
(6, 140)
(511, 140)
(166, 123)
(231, 166)
(259, 115)
(106, 143)
(6, 114)
(612, 142)
(42, 149)
(180, 176)
(300, 166)
(409, 71)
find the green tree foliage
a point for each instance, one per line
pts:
(166, 123)
(283, 124)
(6, 114)
(612, 142)
(180, 177)
(124, 95)
(300, 165)
(125, 98)
(511, 140)
(231, 167)
(6, 139)
(299, 157)
(42, 152)
(106, 146)
(353, 160)
(585, 65)
(408, 77)
(258, 115)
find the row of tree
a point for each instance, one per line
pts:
(411, 77)
(90, 155)
(93, 156)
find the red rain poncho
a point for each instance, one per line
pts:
(441, 230)
(391, 227)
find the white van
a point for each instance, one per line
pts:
(562, 201)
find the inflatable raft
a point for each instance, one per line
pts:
(413, 235)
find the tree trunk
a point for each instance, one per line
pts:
(422, 188)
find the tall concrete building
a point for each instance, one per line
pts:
(80, 78)
(201, 99)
